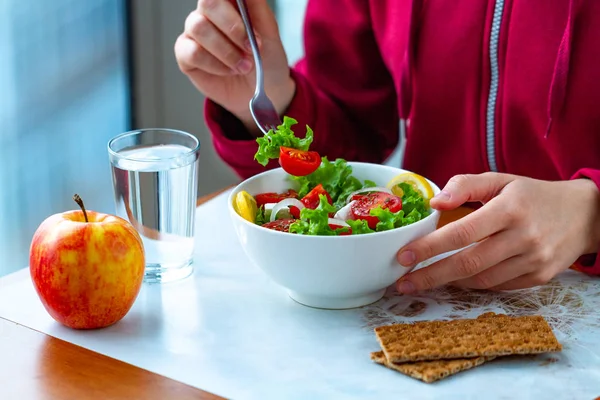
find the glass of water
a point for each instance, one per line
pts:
(155, 180)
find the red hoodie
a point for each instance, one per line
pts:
(483, 85)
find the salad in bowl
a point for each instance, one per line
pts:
(324, 198)
(328, 233)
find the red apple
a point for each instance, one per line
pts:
(87, 267)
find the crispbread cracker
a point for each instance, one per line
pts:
(489, 335)
(430, 371)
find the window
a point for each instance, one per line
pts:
(65, 92)
(290, 18)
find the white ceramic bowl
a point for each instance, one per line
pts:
(333, 272)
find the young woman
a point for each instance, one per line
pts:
(501, 103)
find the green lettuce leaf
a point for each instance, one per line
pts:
(269, 144)
(336, 178)
(414, 216)
(414, 208)
(261, 217)
(389, 220)
(412, 200)
(315, 222)
(359, 226)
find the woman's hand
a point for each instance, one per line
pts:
(527, 231)
(214, 52)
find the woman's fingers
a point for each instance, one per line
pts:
(227, 19)
(192, 57)
(470, 188)
(472, 228)
(502, 273)
(468, 263)
(530, 280)
(209, 38)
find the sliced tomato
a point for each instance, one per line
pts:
(298, 162)
(282, 225)
(334, 227)
(357, 197)
(363, 205)
(311, 200)
(272, 197)
(295, 211)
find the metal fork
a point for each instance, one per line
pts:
(261, 107)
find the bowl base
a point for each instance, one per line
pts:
(336, 303)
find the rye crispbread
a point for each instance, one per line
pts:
(430, 371)
(488, 335)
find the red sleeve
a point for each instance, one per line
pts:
(344, 92)
(588, 263)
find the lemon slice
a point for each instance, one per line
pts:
(416, 181)
(245, 205)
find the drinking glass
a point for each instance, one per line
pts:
(155, 181)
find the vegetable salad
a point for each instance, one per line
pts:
(324, 197)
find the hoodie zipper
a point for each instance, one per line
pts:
(493, 94)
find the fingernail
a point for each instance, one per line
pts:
(244, 66)
(406, 287)
(407, 258)
(443, 195)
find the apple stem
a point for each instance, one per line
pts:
(80, 204)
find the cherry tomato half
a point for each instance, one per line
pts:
(363, 205)
(295, 211)
(272, 197)
(282, 225)
(311, 200)
(298, 162)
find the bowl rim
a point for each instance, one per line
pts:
(434, 214)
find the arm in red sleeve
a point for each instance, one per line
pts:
(589, 263)
(344, 92)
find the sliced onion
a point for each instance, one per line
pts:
(339, 222)
(344, 212)
(371, 189)
(284, 204)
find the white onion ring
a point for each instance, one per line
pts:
(371, 189)
(335, 221)
(285, 203)
(344, 212)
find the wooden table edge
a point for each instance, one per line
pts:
(203, 199)
(63, 370)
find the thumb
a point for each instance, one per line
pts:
(462, 189)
